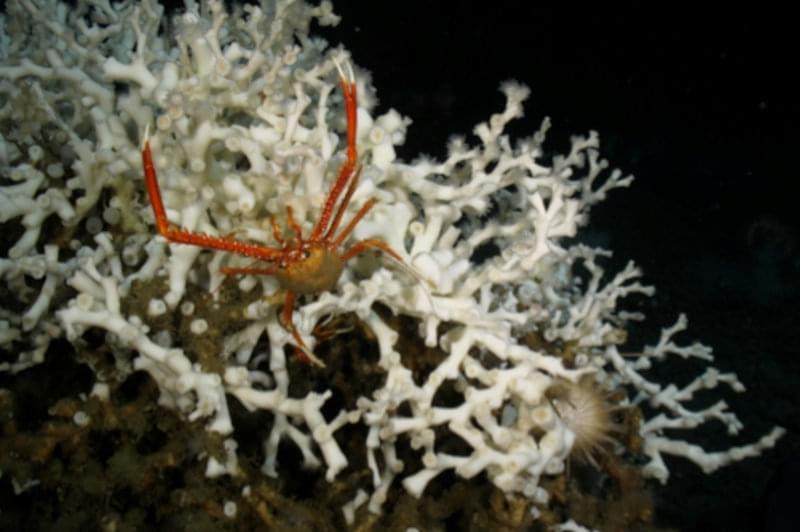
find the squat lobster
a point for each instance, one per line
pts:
(302, 265)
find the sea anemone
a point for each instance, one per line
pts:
(587, 410)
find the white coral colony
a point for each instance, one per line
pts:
(245, 122)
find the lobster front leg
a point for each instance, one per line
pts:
(180, 236)
(350, 94)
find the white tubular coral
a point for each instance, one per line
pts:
(246, 121)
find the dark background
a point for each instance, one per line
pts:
(701, 106)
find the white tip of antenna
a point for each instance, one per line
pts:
(146, 136)
(349, 77)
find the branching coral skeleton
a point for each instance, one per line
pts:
(247, 127)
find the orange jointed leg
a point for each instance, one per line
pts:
(304, 353)
(151, 181)
(293, 225)
(276, 231)
(352, 225)
(179, 236)
(337, 219)
(350, 94)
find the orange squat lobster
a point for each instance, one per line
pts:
(302, 265)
